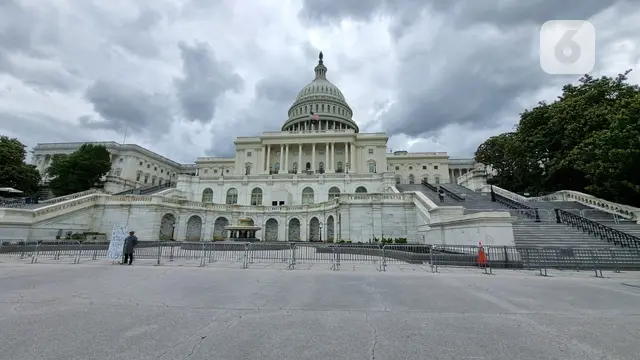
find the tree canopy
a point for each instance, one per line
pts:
(14, 172)
(80, 170)
(587, 140)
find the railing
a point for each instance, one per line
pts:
(525, 210)
(18, 202)
(59, 199)
(146, 190)
(430, 186)
(596, 229)
(290, 254)
(451, 194)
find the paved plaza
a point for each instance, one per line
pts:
(95, 311)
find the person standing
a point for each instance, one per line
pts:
(129, 244)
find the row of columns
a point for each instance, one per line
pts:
(330, 158)
(455, 173)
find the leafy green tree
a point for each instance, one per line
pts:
(587, 140)
(80, 170)
(14, 172)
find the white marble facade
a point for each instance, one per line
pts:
(318, 151)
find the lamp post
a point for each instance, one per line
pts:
(346, 167)
(173, 230)
(321, 224)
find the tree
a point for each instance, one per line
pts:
(587, 140)
(14, 172)
(80, 170)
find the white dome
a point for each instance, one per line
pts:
(321, 97)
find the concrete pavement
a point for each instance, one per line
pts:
(84, 311)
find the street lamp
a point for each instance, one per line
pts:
(346, 167)
(321, 224)
(173, 230)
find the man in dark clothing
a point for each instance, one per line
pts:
(129, 244)
(441, 195)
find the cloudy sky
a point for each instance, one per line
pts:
(185, 77)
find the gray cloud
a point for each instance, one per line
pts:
(122, 106)
(205, 80)
(462, 77)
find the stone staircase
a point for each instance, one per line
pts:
(432, 195)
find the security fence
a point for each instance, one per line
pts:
(292, 254)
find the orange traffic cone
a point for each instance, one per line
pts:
(482, 258)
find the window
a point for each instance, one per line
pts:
(249, 153)
(161, 171)
(160, 181)
(334, 109)
(339, 166)
(247, 170)
(308, 166)
(424, 167)
(227, 171)
(372, 166)
(146, 178)
(148, 166)
(206, 171)
(361, 190)
(307, 195)
(232, 196)
(155, 168)
(397, 179)
(256, 197)
(140, 163)
(277, 167)
(435, 167)
(138, 174)
(334, 192)
(207, 195)
(121, 159)
(397, 167)
(410, 167)
(437, 180)
(153, 180)
(370, 151)
(411, 179)
(215, 171)
(118, 172)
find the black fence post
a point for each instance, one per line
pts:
(537, 215)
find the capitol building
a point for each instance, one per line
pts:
(318, 177)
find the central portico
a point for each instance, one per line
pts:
(318, 154)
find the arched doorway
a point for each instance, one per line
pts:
(411, 179)
(314, 229)
(167, 226)
(361, 189)
(219, 232)
(194, 228)
(330, 228)
(271, 230)
(294, 230)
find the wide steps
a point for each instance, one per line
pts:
(432, 195)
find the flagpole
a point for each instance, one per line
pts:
(124, 139)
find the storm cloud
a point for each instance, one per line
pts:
(184, 78)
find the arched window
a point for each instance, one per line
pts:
(307, 195)
(256, 196)
(339, 167)
(398, 181)
(247, 169)
(361, 190)
(295, 167)
(207, 195)
(425, 178)
(437, 179)
(411, 179)
(334, 192)
(308, 166)
(232, 196)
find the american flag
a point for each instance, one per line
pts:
(315, 116)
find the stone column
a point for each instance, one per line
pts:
(313, 158)
(268, 158)
(353, 156)
(299, 157)
(327, 163)
(346, 157)
(286, 158)
(281, 157)
(333, 156)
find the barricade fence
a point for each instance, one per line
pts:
(290, 254)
